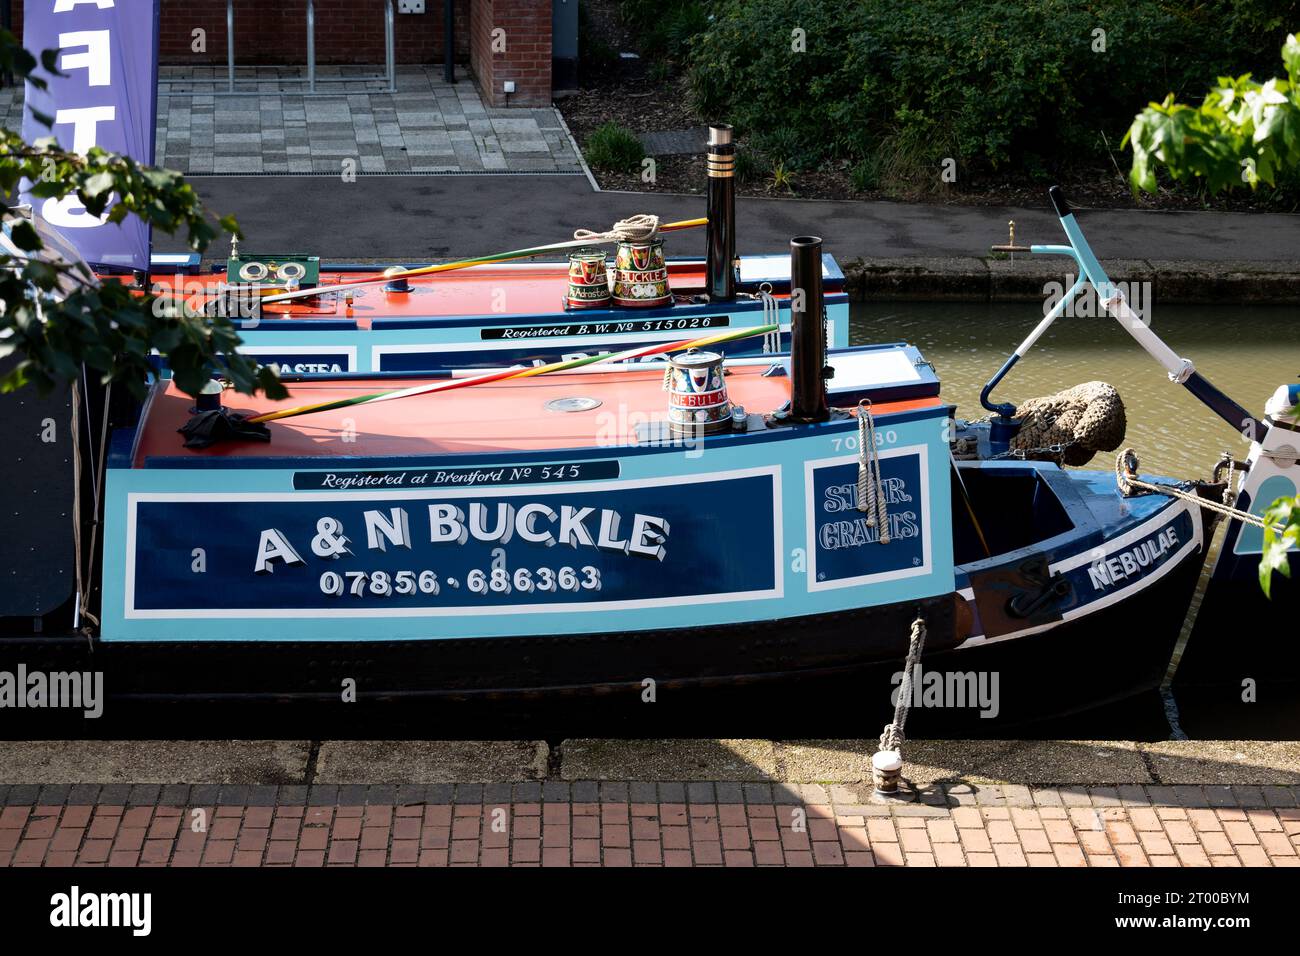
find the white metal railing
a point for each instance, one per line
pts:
(389, 76)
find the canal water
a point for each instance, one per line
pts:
(1246, 351)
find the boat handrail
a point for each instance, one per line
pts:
(1180, 370)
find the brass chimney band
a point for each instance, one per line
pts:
(720, 165)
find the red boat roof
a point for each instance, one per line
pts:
(508, 289)
(500, 416)
(505, 289)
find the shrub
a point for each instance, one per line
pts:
(865, 174)
(614, 149)
(664, 28)
(991, 84)
(596, 58)
(747, 169)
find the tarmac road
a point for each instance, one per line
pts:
(420, 218)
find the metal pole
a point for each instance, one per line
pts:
(720, 164)
(311, 46)
(7, 21)
(807, 332)
(230, 43)
(390, 55)
(449, 40)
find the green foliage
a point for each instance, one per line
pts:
(995, 85)
(56, 318)
(596, 57)
(614, 148)
(782, 178)
(1243, 133)
(784, 146)
(663, 28)
(865, 174)
(1284, 512)
(746, 166)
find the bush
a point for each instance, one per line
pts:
(614, 149)
(664, 28)
(994, 84)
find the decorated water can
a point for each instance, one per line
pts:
(697, 393)
(640, 275)
(588, 281)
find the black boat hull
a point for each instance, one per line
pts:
(1112, 653)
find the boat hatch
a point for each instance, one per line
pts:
(1016, 508)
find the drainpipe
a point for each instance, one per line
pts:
(449, 40)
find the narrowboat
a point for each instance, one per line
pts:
(304, 317)
(711, 520)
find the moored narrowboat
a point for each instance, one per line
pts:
(565, 533)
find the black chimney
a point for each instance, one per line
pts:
(807, 332)
(721, 166)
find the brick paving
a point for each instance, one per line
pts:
(646, 824)
(427, 126)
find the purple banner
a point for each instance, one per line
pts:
(109, 53)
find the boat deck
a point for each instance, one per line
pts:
(501, 416)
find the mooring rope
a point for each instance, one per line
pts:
(871, 488)
(642, 227)
(892, 738)
(1126, 465)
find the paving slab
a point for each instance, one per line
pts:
(826, 761)
(1024, 762)
(431, 761)
(153, 761)
(417, 116)
(1225, 761)
(730, 760)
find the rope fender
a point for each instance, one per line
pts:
(1071, 426)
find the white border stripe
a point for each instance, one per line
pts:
(133, 499)
(1122, 593)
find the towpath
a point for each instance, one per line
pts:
(887, 249)
(660, 803)
(444, 216)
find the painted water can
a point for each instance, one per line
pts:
(697, 393)
(588, 281)
(640, 275)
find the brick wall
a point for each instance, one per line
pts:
(526, 58)
(352, 31)
(347, 31)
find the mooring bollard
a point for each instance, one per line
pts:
(886, 772)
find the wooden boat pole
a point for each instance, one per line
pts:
(970, 507)
(391, 274)
(528, 372)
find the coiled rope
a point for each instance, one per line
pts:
(871, 489)
(642, 227)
